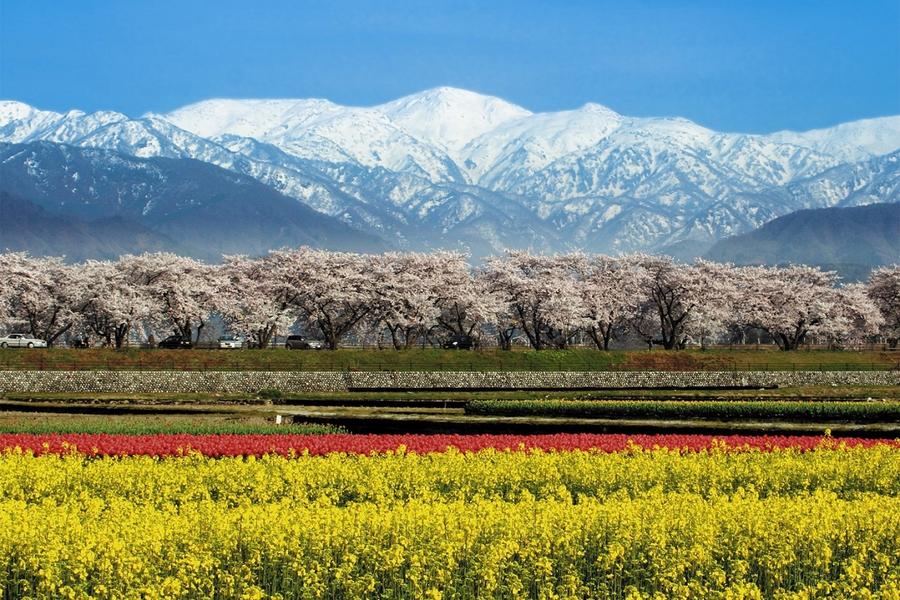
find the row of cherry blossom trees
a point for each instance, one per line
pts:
(424, 298)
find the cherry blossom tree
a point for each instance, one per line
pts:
(717, 303)
(332, 292)
(247, 298)
(407, 295)
(465, 303)
(182, 289)
(41, 295)
(856, 316)
(791, 303)
(610, 290)
(676, 299)
(6, 292)
(541, 295)
(113, 301)
(884, 289)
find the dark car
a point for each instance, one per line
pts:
(174, 342)
(298, 342)
(80, 342)
(459, 342)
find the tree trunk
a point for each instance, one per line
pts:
(264, 336)
(410, 335)
(394, 330)
(601, 336)
(121, 333)
(184, 329)
(331, 340)
(504, 337)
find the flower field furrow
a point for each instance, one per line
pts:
(657, 546)
(258, 445)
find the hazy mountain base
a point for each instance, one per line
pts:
(26, 226)
(850, 241)
(88, 203)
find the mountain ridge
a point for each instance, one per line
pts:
(588, 178)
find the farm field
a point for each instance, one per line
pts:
(348, 516)
(205, 495)
(846, 410)
(446, 360)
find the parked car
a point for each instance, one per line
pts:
(298, 342)
(174, 342)
(459, 342)
(80, 342)
(230, 342)
(21, 340)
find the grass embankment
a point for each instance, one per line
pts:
(782, 410)
(444, 360)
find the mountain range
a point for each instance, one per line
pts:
(449, 168)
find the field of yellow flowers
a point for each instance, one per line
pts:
(528, 523)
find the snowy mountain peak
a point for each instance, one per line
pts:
(451, 98)
(598, 109)
(450, 117)
(248, 118)
(13, 110)
(856, 140)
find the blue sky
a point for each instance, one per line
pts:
(751, 66)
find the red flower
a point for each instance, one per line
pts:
(257, 445)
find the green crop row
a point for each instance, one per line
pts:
(696, 409)
(136, 426)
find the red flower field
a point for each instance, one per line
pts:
(245, 445)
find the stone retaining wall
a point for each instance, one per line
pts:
(337, 381)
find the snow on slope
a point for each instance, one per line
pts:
(258, 119)
(856, 140)
(448, 134)
(450, 118)
(319, 130)
(18, 120)
(534, 141)
(589, 177)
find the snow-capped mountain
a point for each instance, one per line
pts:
(450, 118)
(449, 167)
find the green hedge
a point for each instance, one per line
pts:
(695, 409)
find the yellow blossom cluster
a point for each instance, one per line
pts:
(492, 524)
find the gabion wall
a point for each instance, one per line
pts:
(253, 381)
